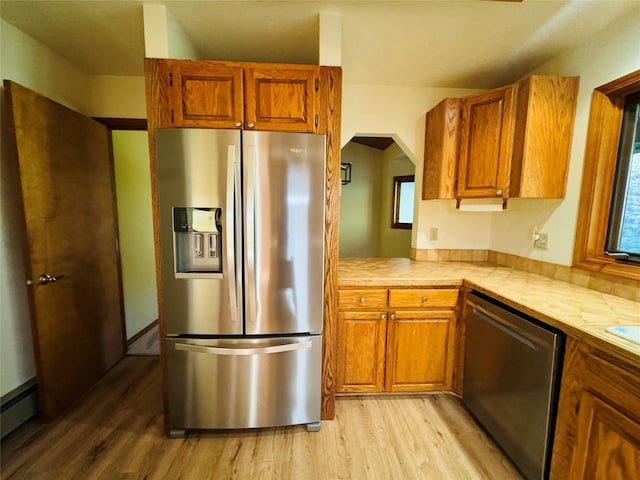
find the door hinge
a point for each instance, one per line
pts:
(317, 84)
(170, 79)
(316, 120)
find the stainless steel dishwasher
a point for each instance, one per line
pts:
(512, 369)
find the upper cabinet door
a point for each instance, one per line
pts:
(206, 94)
(441, 137)
(486, 143)
(282, 98)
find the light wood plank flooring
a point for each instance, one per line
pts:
(116, 432)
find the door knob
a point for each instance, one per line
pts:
(45, 278)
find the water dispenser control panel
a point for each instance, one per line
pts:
(197, 241)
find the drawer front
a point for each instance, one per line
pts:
(423, 297)
(362, 298)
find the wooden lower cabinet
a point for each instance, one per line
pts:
(383, 347)
(361, 351)
(598, 424)
(419, 351)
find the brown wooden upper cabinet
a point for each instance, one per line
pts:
(253, 96)
(513, 141)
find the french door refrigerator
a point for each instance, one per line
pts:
(241, 229)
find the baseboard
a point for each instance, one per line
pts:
(18, 406)
(142, 332)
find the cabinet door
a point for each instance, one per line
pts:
(420, 351)
(597, 432)
(282, 98)
(441, 137)
(205, 94)
(608, 442)
(360, 351)
(486, 143)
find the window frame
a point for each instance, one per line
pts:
(600, 159)
(395, 205)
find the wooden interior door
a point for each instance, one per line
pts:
(67, 184)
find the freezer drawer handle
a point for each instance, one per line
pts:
(287, 347)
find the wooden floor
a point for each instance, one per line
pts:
(116, 432)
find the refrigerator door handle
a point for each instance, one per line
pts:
(287, 347)
(229, 235)
(251, 255)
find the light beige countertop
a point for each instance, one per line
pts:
(578, 311)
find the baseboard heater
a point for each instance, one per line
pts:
(18, 406)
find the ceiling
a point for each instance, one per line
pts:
(436, 43)
(380, 143)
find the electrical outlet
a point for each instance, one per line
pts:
(433, 234)
(542, 241)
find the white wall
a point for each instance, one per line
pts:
(399, 112)
(163, 36)
(31, 64)
(117, 97)
(135, 227)
(605, 57)
(360, 202)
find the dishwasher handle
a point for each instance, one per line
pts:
(511, 329)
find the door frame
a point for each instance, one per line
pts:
(129, 124)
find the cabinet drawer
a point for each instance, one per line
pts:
(423, 297)
(362, 298)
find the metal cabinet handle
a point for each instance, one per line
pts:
(238, 124)
(425, 299)
(499, 192)
(383, 316)
(45, 278)
(251, 124)
(393, 316)
(362, 299)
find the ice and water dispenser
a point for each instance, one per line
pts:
(197, 242)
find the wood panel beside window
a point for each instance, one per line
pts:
(601, 151)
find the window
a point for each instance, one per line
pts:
(403, 188)
(623, 235)
(608, 210)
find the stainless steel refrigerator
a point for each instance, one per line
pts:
(241, 222)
